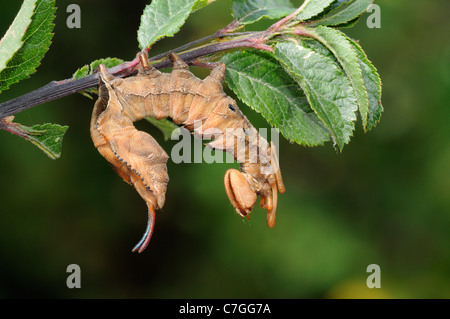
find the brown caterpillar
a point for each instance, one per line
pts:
(189, 101)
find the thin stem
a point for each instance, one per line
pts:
(218, 34)
(12, 128)
(303, 32)
(278, 25)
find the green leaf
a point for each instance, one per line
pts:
(327, 88)
(259, 80)
(87, 70)
(337, 4)
(36, 42)
(345, 12)
(250, 11)
(164, 18)
(371, 78)
(48, 137)
(345, 52)
(199, 4)
(317, 46)
(108, 62)
(81, 72)
(164, 125)
(12, 40)
(348, 24)
(372, 83)
(313, 8)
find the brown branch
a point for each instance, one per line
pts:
(58, 89)
(223, 39)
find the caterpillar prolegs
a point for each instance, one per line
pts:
(200, 106)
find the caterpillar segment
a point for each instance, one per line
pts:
(202, 107)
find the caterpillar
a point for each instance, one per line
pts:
(202, 107)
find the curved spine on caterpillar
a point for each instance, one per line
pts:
(200, 106)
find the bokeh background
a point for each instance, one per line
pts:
(384, 200)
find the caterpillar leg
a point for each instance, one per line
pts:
(218, 72)
(243, 197)
(270, 202)
(178, 64)
(242, 188)
(276, 166)
(146, 69)
(239, 192)
(104, 74)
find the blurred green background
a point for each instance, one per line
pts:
(384, 200)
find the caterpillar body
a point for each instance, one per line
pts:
(200, 106)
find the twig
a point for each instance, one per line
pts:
(279, 24)
(253, 39)
(58, 89)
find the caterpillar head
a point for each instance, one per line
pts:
(225, 116)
